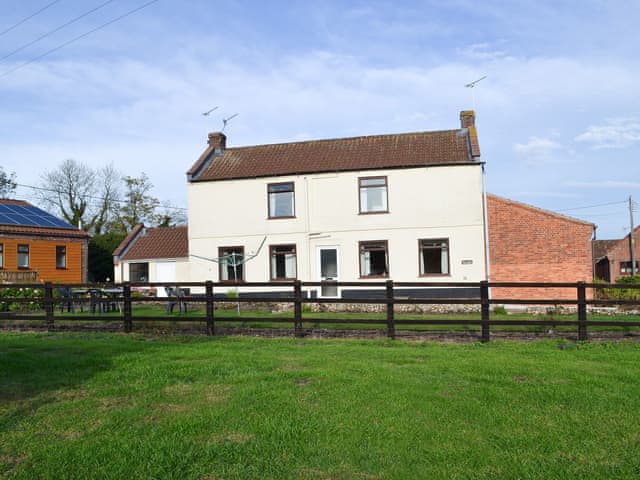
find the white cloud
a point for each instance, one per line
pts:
(481, 51)
(537, 150)
(618, 133)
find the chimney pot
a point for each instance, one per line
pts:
(218, 141)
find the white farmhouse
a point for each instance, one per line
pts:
(408, 207)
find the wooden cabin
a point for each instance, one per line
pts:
(36, 246)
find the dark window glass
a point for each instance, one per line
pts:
(231, 264)
(1, 255)
(61, 256)
(23, 256)
(283, 262)
(373, 259)
(139, 272)
(434, 257)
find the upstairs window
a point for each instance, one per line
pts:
(1, 255)
(139, 272)
(373, 194)
(434, 257)
(231, 264)
(374, 260)
(23, 256)
(61, 256)
(281, 200)
(283, 262)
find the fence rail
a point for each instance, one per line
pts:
(47, 298)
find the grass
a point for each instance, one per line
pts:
(106, 406)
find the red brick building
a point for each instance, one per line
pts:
(528, 244)
(612, 258)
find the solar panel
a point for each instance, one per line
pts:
(30, 216)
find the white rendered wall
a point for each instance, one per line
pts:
(424, 203)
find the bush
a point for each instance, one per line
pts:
(621, 293)
(500, 310)
(32, 293)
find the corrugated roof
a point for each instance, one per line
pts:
(343, 154)
(158, 242)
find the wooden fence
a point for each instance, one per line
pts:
(45, 303)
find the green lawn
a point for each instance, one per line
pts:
(100, 406)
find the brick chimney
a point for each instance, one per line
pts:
(468, 121)
(218, 141)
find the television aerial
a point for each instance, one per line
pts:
(227, 120)
(207, 113)
(472, 85)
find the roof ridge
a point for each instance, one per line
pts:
(334, 139)
(542, 210)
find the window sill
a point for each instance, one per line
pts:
(232, 282)
(372, 276)
(61, 268)
(281, 218)
(292, 279)
(374, 213)
(434, 275)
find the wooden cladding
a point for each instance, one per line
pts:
(55, 260)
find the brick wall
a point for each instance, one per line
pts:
(528, 244)
(619, 253)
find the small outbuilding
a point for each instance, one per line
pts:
(156, 254)
(36, 246)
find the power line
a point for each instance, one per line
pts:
(34, 59)
(592, 206)
(28, 18)
(57, 29)
(92, 197)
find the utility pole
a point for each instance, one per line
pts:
(632, 243)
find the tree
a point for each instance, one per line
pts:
(138, 205)
(8, 183)
(101, 248)
(83, 196)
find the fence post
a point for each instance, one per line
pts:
(582, 312)
(391, 321)
(126, 293)
(211, 327)
(48, 305)
(484, 308)
(297, 308)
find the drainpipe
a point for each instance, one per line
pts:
(485, 216)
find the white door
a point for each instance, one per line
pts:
(165, 272)
(328, 266)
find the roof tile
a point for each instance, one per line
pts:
(343, 154)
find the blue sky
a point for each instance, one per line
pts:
(558, 115)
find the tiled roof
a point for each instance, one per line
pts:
(127, 240)
(11, 201)
(343, 154)
(42, 231)
(601, 248)
(491, 197)
(159, 242)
